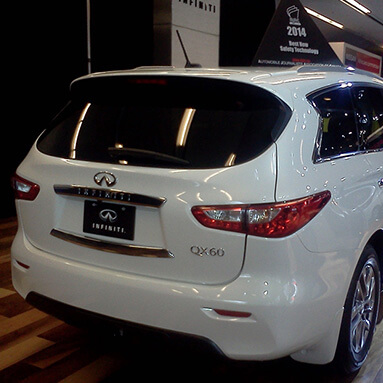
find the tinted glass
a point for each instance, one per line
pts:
(338, 134)
(368, 103)
(166, 122)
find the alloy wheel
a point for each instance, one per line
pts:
(363, 306)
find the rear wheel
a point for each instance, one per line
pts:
(360, 313)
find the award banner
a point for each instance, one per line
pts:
(293, 38)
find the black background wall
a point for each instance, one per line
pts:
(243, 24)
(45, 49)
(122, 34)
(45, 46)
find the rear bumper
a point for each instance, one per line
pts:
(102, 323)
(277, 327)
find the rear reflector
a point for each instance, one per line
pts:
(23, 265)
(270, 220)
(234, 314)
(24, 189)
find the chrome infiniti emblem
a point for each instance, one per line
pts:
(108, 215)
(106, 178)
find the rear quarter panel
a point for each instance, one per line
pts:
(354, 212)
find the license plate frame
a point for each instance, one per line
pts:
(109, 219)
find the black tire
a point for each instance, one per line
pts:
(360, 314)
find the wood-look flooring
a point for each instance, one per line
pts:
(35, 347)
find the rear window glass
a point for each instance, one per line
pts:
(165, 122)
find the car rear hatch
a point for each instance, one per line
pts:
(125, 164)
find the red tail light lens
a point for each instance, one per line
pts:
(271, 220)
(227, 217)
(24, 189)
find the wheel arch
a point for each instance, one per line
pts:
(324, 351)
(376, 241)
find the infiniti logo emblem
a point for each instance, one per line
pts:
(106, 178)
(108, 215)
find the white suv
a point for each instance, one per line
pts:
(241, 207)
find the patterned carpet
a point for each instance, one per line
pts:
(35, 347)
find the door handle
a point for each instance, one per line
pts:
(380, 182)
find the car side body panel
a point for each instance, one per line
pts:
(290, 292)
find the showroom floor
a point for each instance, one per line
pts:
(35, 347)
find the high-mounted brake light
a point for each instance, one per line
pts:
(24, 189)
(274, 220)
(148, 81)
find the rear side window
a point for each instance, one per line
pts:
(368, 103)
(338, 133)
(351, 120)
(166, 122)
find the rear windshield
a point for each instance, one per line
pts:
(165, 122)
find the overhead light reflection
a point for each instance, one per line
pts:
(324, 18)
(73, 145)
(183, 131)
(355, 5)
(231, 159)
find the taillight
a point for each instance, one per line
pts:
(24, 189)
(274, 220)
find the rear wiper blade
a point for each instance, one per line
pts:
(141, 153)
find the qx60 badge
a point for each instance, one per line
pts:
(207, 251)
(105, 178)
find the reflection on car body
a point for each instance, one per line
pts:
(241, 207)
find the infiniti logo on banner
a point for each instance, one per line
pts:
(106, 178)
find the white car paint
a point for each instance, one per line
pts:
(294, 288)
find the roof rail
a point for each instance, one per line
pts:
(153, 68)
(335, 68)
(324, 68)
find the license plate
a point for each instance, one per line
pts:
(110, 219)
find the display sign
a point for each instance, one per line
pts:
(363, 61)
(293, 38)
(357, 58)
